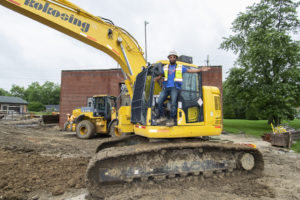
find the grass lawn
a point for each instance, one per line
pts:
(257, 128)
(251, 127)
(296, 146)
(295, 123)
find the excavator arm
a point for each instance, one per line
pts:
(97, 32)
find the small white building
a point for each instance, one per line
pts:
(8, 104)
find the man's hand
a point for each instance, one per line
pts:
(202, 69)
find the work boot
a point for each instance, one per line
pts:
(171, 122)
(161, 119)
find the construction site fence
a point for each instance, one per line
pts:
(13, 115)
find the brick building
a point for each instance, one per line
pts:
(78, 85)
(213, 77)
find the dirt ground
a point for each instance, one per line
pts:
(45, 163)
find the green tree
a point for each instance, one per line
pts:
(269, 59)
(50, 93)
(18, 91)
(37, 95)
(34, 92)
(4, 92)
(233, 97)
(36, 106)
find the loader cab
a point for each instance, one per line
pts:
(146, 93)
(102, 105)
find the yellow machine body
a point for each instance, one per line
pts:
(211, 126)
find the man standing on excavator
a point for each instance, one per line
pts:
(171, 86)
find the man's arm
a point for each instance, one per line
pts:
(202, 69)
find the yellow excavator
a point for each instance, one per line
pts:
(147, 151)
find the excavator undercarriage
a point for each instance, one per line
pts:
(121, 162)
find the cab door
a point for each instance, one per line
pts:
(190, 98)
(141, 99)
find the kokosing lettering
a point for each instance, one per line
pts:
(55, 13)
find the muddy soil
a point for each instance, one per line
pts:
(39, 162)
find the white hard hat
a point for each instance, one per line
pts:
(173, 53)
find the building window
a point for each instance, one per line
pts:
(4, 107)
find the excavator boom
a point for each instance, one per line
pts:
(99, 33)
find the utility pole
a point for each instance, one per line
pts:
(207, 61)
(146, 40)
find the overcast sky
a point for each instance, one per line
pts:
(30, 51)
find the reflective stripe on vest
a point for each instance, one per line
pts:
(178, 73)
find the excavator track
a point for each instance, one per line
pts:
(145, 161)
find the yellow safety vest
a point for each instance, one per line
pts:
(178, 73)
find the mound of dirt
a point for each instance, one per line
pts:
(22, 173)
(47, 164)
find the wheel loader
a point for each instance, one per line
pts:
(147, 152)
(97, 118)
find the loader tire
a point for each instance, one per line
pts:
(85, 129)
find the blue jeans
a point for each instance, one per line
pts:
(173, 92)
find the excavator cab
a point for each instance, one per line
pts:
(199, 112)
(146, 94)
